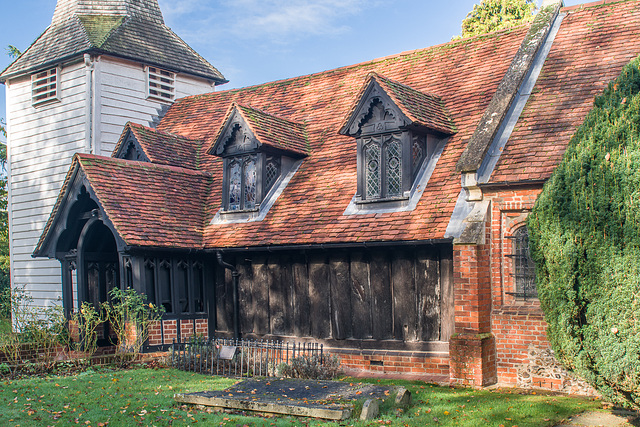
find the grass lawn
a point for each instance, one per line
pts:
(145, 397)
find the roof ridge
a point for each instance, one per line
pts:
(357, 65)
(162, 132)
(142, 164)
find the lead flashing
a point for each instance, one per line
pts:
(482, 137)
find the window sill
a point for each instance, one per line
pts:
(45, 102)
(160, 99)
(381, 201)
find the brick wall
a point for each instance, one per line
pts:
(516, 331)
(393, 364)
(166, 331)
(518, 325)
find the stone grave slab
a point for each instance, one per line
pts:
(331, 400)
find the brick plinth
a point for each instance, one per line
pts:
(390, 364)
(472, 359)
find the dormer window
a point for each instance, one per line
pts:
(45, 86)
(241, 183)
(259, 151)
(161, 84)
(398, 130)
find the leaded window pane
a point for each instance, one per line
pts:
(272, 171)
(394, 169)
(235, 186)
(250, 183)
(372, 172)
(524, 268)
(417, 152)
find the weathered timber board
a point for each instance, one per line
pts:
(319, 312)
(360, 297)
(340, 297)
(404, 296)
(381, 296)
(245, 293)
(287, 295)
(428, 295)
(223, 322)
(300, 277)
(276, 297)
(261, 294)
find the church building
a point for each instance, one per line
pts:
(379, 209)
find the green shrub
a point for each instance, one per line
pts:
(42, 328)
(130, 317)
(585, 241)
(86, 320)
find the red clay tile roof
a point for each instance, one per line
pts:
(271, 131)
(164, 148)
(310, 210)
(423, 109)
(155, 205)
(590, 49)
(149, 204)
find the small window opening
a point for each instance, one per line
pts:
(524, 272)
(161, 84)
(44, 86)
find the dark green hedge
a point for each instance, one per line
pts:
(585, 240)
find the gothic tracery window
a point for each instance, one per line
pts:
(523, 267)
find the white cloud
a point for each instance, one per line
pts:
(283, 19)
(276, 20)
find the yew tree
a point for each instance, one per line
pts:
(585, 241)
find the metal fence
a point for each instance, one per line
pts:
(238, 358)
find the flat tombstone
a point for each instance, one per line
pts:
(370, 409)
(227, 352)
(403, 398)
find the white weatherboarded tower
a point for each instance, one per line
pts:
(100, 64)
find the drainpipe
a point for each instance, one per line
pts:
(236, 302)
(88, 109)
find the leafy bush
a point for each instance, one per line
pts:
(585, 240)
(130, 317)
(311, 367)
(43, 328)
(86, 320)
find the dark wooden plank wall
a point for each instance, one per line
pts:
(403, 293)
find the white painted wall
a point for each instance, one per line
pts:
(41, 144)
(97, 99)
(122, 96)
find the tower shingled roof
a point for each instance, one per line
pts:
(131, 29)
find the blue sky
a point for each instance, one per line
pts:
(256, 41)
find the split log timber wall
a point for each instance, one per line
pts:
(395, 294)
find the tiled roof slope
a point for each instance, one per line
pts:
(590, 49)
(150, 205)
(132, 29)
(463, 74)
(424, 109)
(271, 131)
(164, 148)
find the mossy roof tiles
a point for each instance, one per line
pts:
(590, 49)
(159, 206)
(592, 45)
(138, 33)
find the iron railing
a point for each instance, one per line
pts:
(238, 358)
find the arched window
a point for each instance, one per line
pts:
(523, 267)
